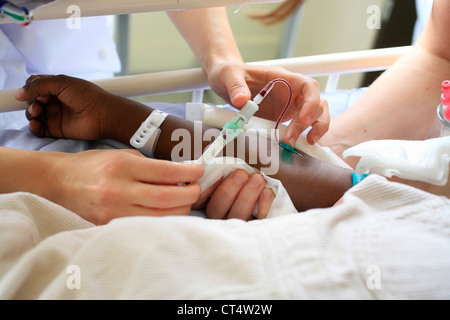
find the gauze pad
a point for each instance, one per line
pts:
(223, 166)
(425, 160)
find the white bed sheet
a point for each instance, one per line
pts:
(385, 241)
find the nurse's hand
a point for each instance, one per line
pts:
(238, 82)
(100, 185)
(64, 107)
(236, 197)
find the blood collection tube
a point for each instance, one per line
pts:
(443, 109)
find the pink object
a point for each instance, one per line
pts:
(445, 98)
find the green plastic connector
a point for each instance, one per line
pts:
(287, 147)
(14, 16)
(231, 127)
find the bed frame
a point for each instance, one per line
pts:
(331, 65)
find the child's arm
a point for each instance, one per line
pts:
(309, 182)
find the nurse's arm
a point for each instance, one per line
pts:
(401, 103)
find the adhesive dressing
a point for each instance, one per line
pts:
(424, 160)
(217, 117)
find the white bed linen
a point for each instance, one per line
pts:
(385, 241)
(392, 232)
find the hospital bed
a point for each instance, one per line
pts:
(193, 80)
(362, 249)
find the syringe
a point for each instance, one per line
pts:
(231, 130)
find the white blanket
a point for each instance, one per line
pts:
(385, 241)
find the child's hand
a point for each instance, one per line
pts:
(63, 107)
(236, 197)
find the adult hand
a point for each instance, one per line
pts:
(101, 185)
(238, 82)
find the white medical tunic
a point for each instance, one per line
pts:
(423, 8)
(51, 47)
(54, 47)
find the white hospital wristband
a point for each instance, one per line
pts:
(146, 136)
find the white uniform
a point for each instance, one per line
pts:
(423, 8)
(51, 47)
